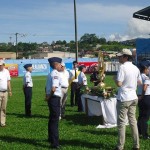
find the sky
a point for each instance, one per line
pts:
(52, 20)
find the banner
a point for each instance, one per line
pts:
(13, 69)
(38, 69)
(89, 66)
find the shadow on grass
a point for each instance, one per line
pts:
(23, 115)
(105, 131)
(102, 132)
(10, 139)
(82, 119)
(85, 144)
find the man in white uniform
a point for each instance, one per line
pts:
(64, 75)
(27, 88)
(53, 96)
(82, 80)
(127, 78)
(5, 87)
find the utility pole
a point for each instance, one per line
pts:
(16, 34)
(75, 23)
(10, 38)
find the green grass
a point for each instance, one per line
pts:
(77, 131)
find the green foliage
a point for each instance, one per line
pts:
(77, 131)
(114, 47)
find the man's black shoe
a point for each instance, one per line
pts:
(146, 138)
(55, 147)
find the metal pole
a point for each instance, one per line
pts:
(16, 46)
(75, 23)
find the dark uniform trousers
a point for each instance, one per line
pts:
(28, 97)
(145, 115)
(79, 93)
(141, 111)
(74, 93)
(54, 109)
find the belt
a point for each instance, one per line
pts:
(64, 87)
(3, 91)
(56, 96)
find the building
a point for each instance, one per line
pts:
(7, 55)
(53, 54)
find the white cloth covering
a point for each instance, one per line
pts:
(98, 106)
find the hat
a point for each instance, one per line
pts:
(75, 62)
(63, 64)
(125, 52)
(2, 62)
(27, 65)
(54, 59)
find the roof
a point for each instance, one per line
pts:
(143, 14)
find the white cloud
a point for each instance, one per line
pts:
(136, 29)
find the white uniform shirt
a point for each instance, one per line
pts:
(82, 79)
(64, 78)
(140, 87)
(53, 80)
(27, 79)
(129, 75)
(4, 77)
(147, 82)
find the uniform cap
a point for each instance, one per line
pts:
(27, 65)
(125, 51)
(2, 62)
(54, 59)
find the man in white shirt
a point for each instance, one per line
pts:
(127, 78)
(5, 87)
(74, 84)
(64, 75)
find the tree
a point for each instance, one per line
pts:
(89, 38)
(102, 41)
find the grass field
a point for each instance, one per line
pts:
(77, 131)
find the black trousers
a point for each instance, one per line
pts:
(80, 108)
(74, 93)
(28, 98)
(54, 109)
(141, 111)
(145, 115)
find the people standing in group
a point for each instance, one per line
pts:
(145, 104)
(74, 84)
(94, 76)
(64, 74)
(5, 89)
(53, 96)
(128, 77)
(27, 89)
(144, 75)
(82, 80)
